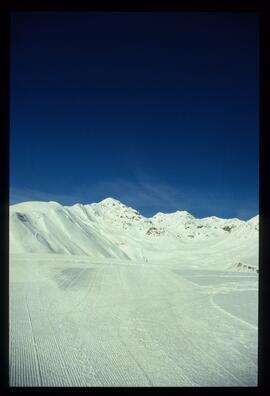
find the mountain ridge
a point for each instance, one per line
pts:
(110, 229)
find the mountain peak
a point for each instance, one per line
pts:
(184, 213)
(110, 201)
(112, 229)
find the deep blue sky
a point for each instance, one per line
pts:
(158, 110)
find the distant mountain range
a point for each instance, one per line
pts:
(110, 229)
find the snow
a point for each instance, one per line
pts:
(98, 300)
(111, 229)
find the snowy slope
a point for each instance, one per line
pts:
(109, 229)
(102, 296)
(79, 322)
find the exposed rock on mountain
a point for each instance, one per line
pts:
(111, 229)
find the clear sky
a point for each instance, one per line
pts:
(158, 110)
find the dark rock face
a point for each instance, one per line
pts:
(22, 217)
(155, 231)
(249, 267)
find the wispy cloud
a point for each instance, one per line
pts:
(147, 195)
(150, 196)
(23, 194)
(142, 195)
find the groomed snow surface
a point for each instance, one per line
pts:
(95, 301)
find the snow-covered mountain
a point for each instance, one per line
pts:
(109, 229)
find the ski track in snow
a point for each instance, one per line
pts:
(77, 322)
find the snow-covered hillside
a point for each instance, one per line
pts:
(102, 296)
(109, 229)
